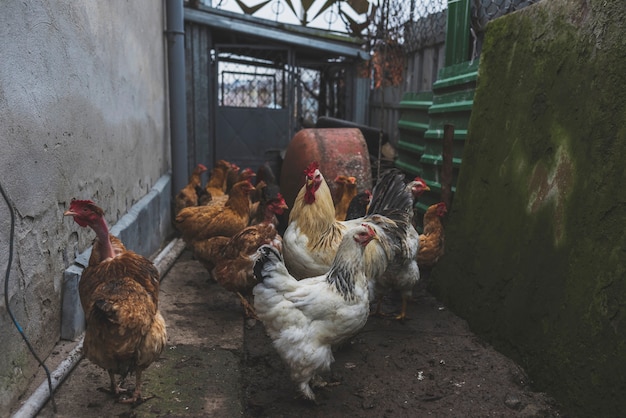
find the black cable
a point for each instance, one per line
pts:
(6, 295)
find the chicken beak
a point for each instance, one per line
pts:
(69, 213)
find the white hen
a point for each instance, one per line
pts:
(306, 318)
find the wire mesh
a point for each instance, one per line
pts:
(258, 78)
(251, 77)
(308, 91)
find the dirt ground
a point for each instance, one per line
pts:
(219, 365)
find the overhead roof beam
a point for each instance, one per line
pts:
(278, 32)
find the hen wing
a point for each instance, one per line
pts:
(201, 222)
(431, 249)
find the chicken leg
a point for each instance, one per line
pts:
(117, 389)
(247, 308)
(402, 315)
(136, 398)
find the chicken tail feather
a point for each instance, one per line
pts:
(390, 197)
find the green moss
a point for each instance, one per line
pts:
(536, 250)
(179, 384)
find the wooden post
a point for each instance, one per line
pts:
(446, 165)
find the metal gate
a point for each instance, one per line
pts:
(254, 103)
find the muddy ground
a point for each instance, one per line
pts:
(219, 365)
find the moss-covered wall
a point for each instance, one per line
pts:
(536, 238)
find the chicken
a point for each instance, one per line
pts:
(265, 175)
(358, 205)
(313, 234)
(339, 188)
(216, 185)
(268, 194)
(188, 196)
(210, 251)
(232, 176)
(230, 260)
(417, 187)
(119, 293)
(305, 319)
(348, 191)
(244, 175)
(310, 240)
(204, 197)
(402, 272)
(432, 239)
(202, 222)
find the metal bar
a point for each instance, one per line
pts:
(177, 100)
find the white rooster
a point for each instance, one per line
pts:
(306, 318)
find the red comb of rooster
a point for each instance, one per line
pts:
(311, 168)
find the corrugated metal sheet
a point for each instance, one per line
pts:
(453, 97)
(422, 122)
(458, 32)
(413, 123)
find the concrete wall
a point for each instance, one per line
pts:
(536, 249)
(83, 113)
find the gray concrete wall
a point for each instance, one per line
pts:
(83, 113)
(535, 245)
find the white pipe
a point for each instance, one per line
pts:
(39, 398)
(166, 258)
(163, 262)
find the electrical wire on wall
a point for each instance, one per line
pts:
(6, 295)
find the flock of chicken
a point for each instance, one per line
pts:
(311, 287)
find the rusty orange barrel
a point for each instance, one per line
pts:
(339, 151)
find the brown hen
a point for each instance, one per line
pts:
(202, 222)
(188, 195)
(216, 185)
(231, 260)
(245, 174)
(347, 192)
(432, 240)
(119, 293)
